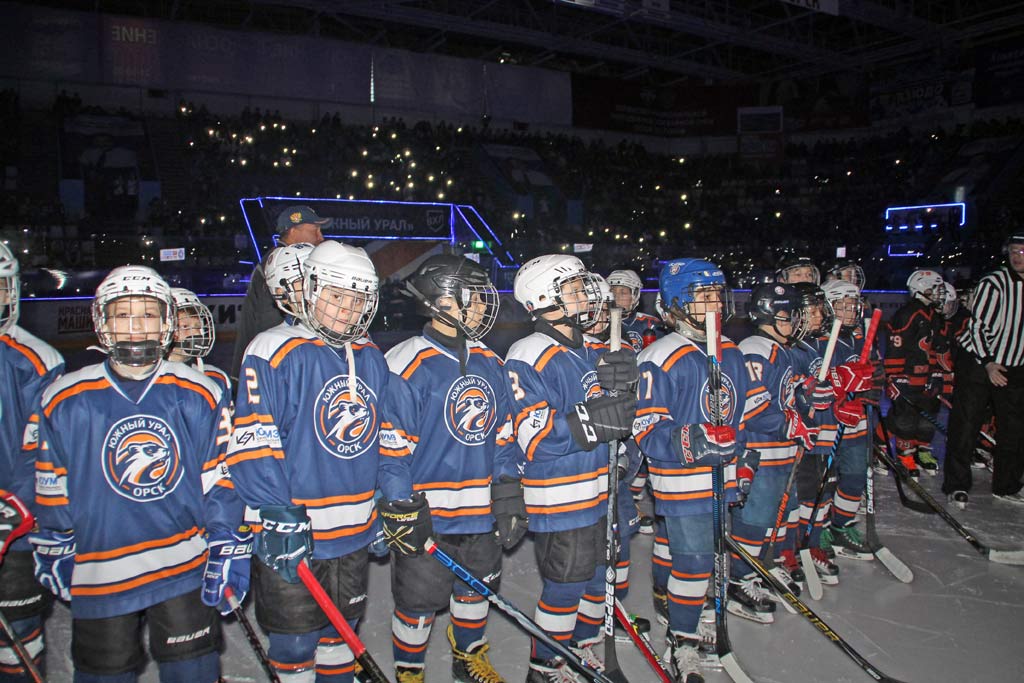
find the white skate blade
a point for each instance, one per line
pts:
(756, 617)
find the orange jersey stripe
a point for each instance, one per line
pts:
(334, 500)
(32, 356)
(420, 357)
(92, 385)
(546, 357)
(192, 386)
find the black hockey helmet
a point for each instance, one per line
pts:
(817, 311)
(775, 302)
(473, 300)
(792, 265)
(847, 269)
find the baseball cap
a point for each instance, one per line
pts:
(297, 215)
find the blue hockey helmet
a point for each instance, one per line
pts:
(688, 286)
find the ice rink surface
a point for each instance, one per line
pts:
(960, 620)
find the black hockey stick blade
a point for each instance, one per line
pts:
(808, 614)
(899, 472)
(643, 643)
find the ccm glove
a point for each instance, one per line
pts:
(850, 378)
(54, 560)
(602, 419)
(407, 524)
(797, 431)
(509, 509)
(849, 412)
(227, 565)
(286, 539)
(617, 371)
(704, 444)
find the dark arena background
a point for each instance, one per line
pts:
(889, 132)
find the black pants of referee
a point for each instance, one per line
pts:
(973, 399)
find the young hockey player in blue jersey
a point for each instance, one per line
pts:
(27, 366)
(133, 498)
(675, 429)
(776, 433)
(194, 336)
(638, 329)
(564, 421)
(794, 268)
(304, 456)
(851, 461)
(466, 474)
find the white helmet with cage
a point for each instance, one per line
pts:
(544, 283)
(133, 315)
(631, 281)
(283, 271)
(10, 289)
(845, 300)
(339, 292)
(927, 286)
(952, 302)
(194, 333)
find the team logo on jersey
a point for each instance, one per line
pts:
(470, 410)
(345, 424)
(142, 458)
(788, 384)
(728, 400)
(591, 389)
(635, 339)
(814, 368)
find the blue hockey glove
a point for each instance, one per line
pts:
(509, 509)
(227, 565)
(378, 545)
(286, 539)
(704, 444)
(54, 560)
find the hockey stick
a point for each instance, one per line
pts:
(906, 501)
(808, 614)
(713, 331)
(525, 622)
(895, 566)
(934, 421)
(371, 671)
(611, 552)
(993, 554)
(16, 521)
(643, 643)
(250, 634)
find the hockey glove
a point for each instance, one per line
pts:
(746, 467)
(509, 509)
(816, 395)
(227, 565)
(617, 371)
(896, 386)
(54, 560)
(602, 419)
(804, 435)
(407, 524)
(704, 444)
(849, 413)
(850, 378)
(286, 539)
(15, 520)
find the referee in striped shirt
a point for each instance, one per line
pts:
(990, 372)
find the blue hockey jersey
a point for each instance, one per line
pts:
(453, 465)
(779, 369)
(638, 324)
(565, 487)
(27, 366)
(136, 470)
(673, 392)
(302, 436)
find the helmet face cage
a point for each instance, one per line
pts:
(848, 309)
(800, 272)
(284, 271)
(817, 312)
(337, 313)
(631, 281)
(951, 303)
(470, 306)
(700, 299)
(601, 325)
(928, 286)
(135, 329)
(849, 272)
(581, 291)
(10, 301)
(194, 334)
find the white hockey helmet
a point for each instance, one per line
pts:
(339, 292)
(283, 271)
(631, 281)
(194, 334)
(927, 286)
(541, 285)
(126, 330)
(951, 302)
(10, 289)
(845, 300)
